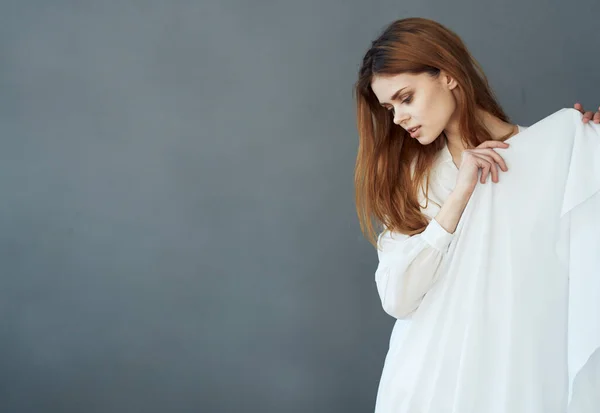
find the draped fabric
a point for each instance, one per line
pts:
(503, 316)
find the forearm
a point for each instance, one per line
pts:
(408, 267)
(453, 208)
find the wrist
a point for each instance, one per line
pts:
(462, 192)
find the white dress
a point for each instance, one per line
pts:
(503, 315)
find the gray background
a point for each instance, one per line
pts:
(177, 222)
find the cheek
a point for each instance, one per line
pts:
(438, 111)
(421, 111)
(449, 105)
(425, 108)
(432, 113)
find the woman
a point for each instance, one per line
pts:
(429, 126)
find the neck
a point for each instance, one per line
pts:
(497, 128)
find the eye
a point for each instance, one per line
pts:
(408, 99)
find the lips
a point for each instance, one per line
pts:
(414, 131)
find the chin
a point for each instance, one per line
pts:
(423, 140)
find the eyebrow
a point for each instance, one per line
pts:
(395, 96)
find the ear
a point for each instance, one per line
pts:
(449, 81)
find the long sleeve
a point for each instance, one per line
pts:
(408, 267)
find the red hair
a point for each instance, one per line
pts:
(385, 188)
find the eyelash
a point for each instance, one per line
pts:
(407, 100)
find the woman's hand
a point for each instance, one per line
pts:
(483, 157)
(587, 116)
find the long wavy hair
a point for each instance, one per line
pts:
(386, 185)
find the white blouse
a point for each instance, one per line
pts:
(408, 265)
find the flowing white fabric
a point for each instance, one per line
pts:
(503, 316)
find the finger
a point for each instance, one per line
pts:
(587, 116)
(579, 107)
(490, 166)
(495, 156)
(485, 170)
(493, 144)
(498, 159)
(597, 116)
(494, 171)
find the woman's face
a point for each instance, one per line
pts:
(419, 101)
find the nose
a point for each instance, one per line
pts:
(400, 118)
